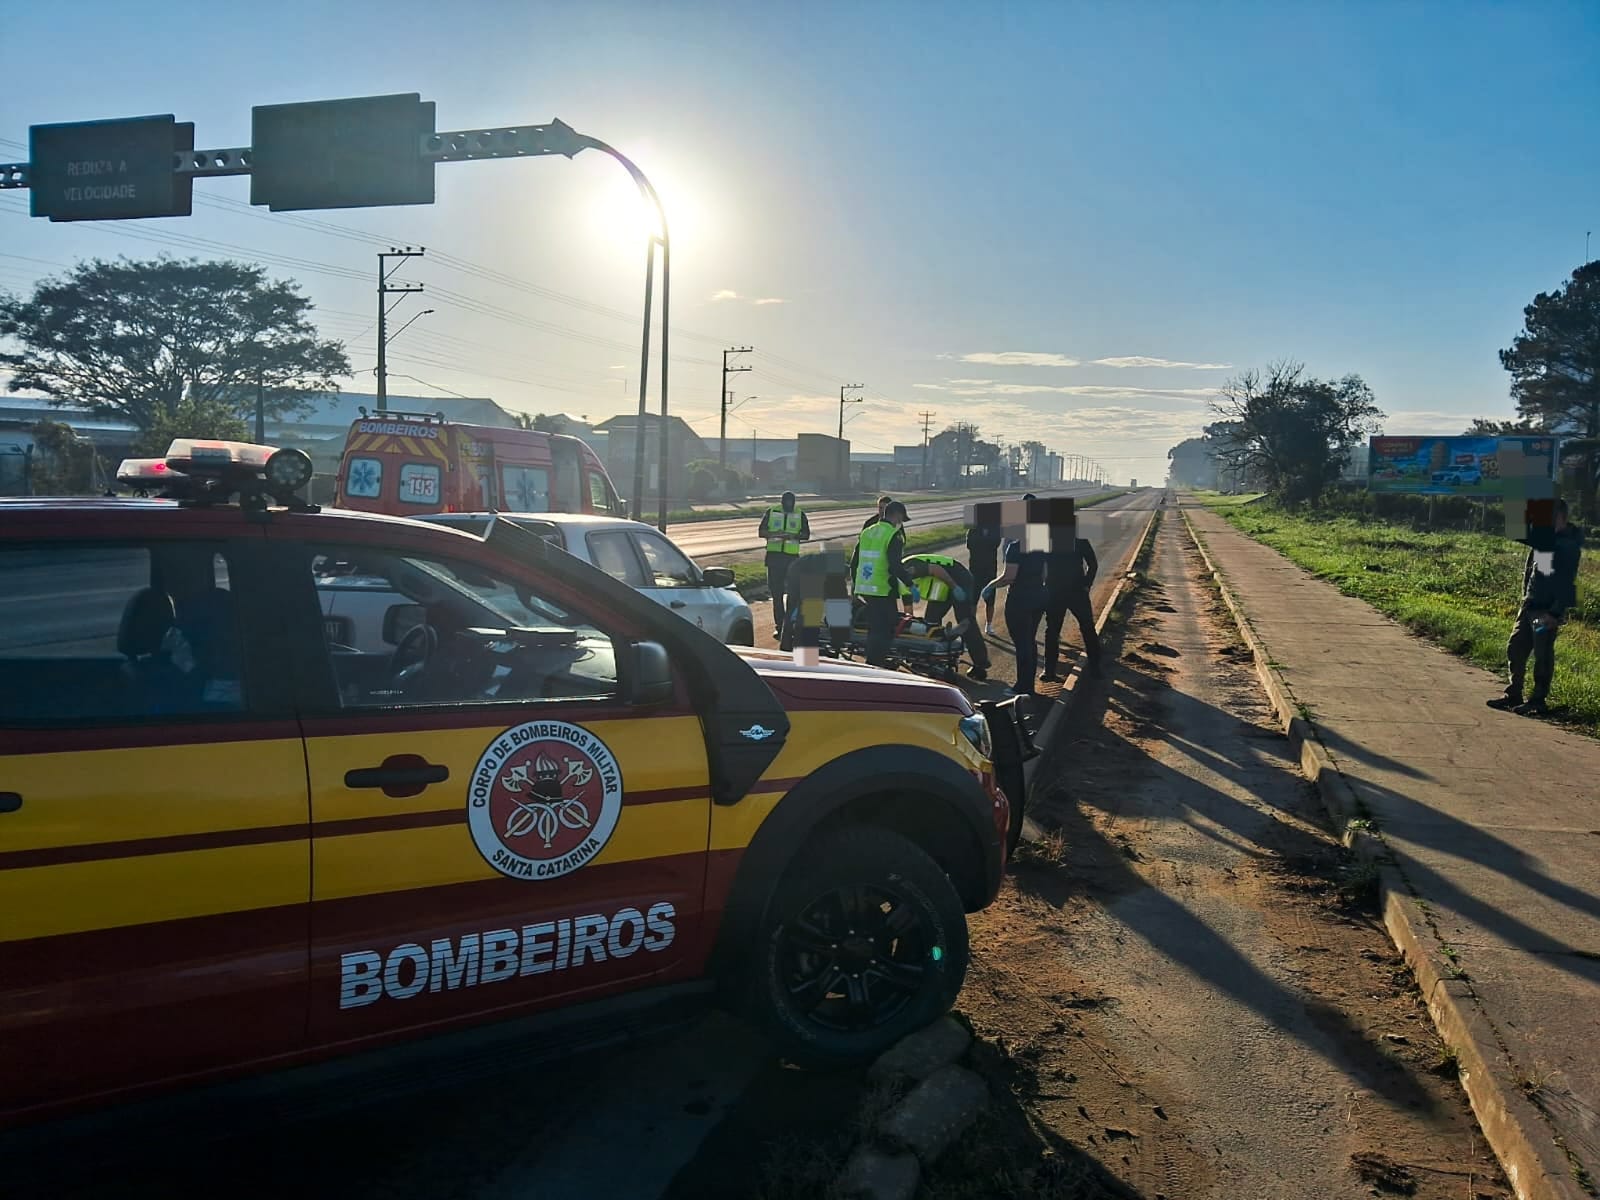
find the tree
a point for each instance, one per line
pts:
(1485, 427)
(1292, 432)
(63, 462)
(1555, 365)
(539, 422)
(140, 341)
(191, 420)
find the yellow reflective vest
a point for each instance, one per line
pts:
(783, 531)
(872, 560)
(935, 589)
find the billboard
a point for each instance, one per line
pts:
(1458, 466)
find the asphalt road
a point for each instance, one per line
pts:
(1113, 528)
(735, 534)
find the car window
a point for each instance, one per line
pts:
(668, 566)
(113, 633)
(401, 630)
(599, 493)
(612, 553)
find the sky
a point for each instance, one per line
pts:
(1063, 222)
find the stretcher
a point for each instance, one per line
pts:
(918, 645)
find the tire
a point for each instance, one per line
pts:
(741, 635)
(912, 958)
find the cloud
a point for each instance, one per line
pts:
(931, 387)
(1090, 390)
(771, 300)
(725, 294)
(1425, 421)
(1140, 360)
(973, 382)
(1019, 358)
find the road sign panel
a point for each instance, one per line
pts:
(356, 153)
(109, 170)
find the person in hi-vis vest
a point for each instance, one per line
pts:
(947, 585)
(785, 527)
(877, 576)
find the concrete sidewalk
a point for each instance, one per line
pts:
(1493, 822)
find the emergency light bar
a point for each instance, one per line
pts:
(206, 471)
(145, 472)
(192, 456)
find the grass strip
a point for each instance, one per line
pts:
(1460, 590)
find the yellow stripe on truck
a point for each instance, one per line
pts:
(77, 897)
(88, 797)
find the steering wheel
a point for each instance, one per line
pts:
(412, 652)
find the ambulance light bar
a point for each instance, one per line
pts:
(193, 456)
(145, 473)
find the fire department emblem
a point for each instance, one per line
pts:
(544, 800)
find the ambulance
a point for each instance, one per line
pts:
(413, 464)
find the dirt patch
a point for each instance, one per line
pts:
(1190, 991)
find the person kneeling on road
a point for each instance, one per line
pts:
(876, 571)
(1549, 588)
(951, 586)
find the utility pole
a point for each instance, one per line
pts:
(844, 455)
(927, 424)
(722, 437)
(385, 290)
(843, 388)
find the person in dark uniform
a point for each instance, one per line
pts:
(878, 575)
(1069, 575)
(883, 503)
(948, 586)
(785, 527)
(983, 560)
(1023, 574)
(1549, 588)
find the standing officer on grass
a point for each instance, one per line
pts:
(877, 570)
(951, 585)
(1549, 588)
(784, 527)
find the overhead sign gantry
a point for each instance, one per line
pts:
(363, 152)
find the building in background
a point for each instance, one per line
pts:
(684, 446)
(822, 463)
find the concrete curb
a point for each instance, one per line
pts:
(1517, 1132)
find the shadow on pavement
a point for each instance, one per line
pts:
(1105, 867)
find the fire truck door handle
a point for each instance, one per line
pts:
(398, 776)
(10, 802)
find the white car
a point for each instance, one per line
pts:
(640, 556)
